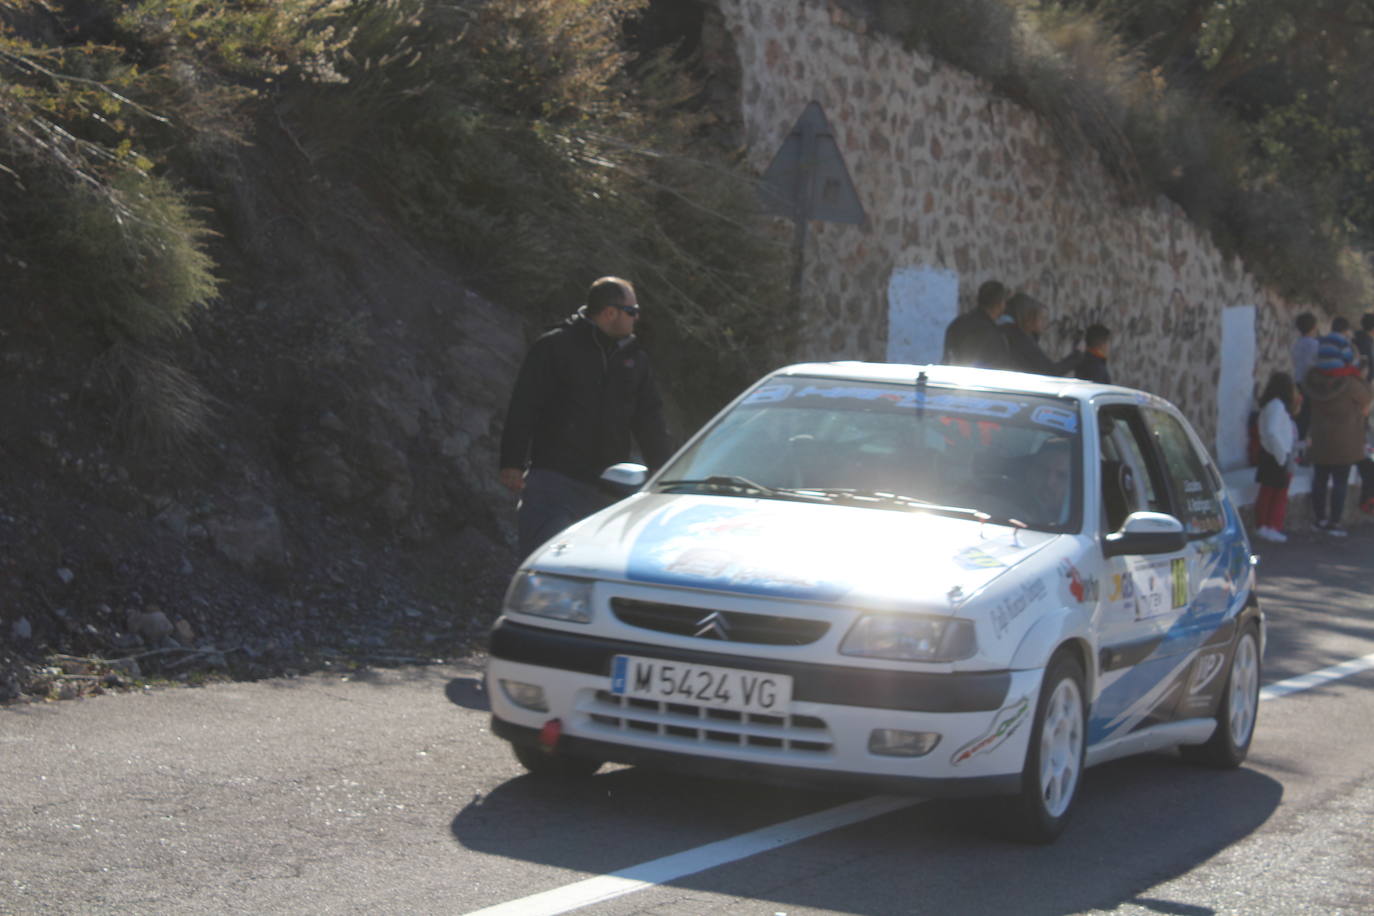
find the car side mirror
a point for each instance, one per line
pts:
(1146, 533)
(625, 477)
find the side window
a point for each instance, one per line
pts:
(1131, 481)
(1192, 478)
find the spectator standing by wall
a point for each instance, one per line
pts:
(1364, 345)
(1278, 440)
(1093, 366)
(1340, 404)
(973, 338)
(1031, 317)
(1304, 352)
(584, 389)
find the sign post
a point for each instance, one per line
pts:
(807, 180)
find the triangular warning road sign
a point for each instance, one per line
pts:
(807, 178)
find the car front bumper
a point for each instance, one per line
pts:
(983, 719)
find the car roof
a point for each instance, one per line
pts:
(964, 377)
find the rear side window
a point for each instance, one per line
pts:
(1190, 476)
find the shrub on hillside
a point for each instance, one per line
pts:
(515, 134)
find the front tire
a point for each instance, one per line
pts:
(1054, 759)
(552, 765)
(1237, 712)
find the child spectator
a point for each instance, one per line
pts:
(1278, 440)
(1304, 352)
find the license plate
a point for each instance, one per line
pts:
(701, 685)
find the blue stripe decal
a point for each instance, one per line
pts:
(1218, 572)
(735, 549)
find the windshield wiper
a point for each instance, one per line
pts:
(860, 495)
(718, 482)
(733, 483)
(839, 495)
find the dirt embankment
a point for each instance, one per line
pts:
(343, 508)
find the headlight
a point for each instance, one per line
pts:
(550, 596)
(911, 638)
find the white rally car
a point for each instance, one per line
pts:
(927, 579)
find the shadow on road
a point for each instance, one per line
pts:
(1318, 597)
(1139, 823)
(468, 692)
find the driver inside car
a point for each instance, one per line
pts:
(1047, 483)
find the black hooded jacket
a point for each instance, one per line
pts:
(578, 399)
(1025, 355)
(973, 339)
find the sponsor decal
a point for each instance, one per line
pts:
(1179, 573)
(1205, 671)
(1004, 725)
(1011, 607)
(769, 394)
(1082, 589)
(1056, 418)
(736, 549)
(1199, 505)
(1156, 587)
(1123, 587)
(947, 402)
(977, 558)
(700, 561)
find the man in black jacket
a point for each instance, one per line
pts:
(1031, 317)
(973, 339)
(584, 389)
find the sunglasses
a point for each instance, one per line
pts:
(631, 310)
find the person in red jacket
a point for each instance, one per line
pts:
(584, 391)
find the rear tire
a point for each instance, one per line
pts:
(1054, 759)
(1238, 711)
(554, 766)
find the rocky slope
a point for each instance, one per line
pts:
(344, 508)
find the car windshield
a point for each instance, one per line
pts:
(1013, 458)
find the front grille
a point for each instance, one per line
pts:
(689, 722)
(730, 626)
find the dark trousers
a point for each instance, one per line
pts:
(1338, 475)
(1366, 469)
(551, 502)
(1304, 417)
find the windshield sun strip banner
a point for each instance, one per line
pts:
(939, 401)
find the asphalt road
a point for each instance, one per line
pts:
(385, 793)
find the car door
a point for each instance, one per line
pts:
(1142, 598)
(1217, 560)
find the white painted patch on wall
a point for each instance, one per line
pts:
(921, 302)
(1235, 390)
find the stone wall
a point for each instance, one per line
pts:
(961, 185)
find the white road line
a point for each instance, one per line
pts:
(1317, 678)
(670, 868)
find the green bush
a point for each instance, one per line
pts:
(97, 246)
(523, 137)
